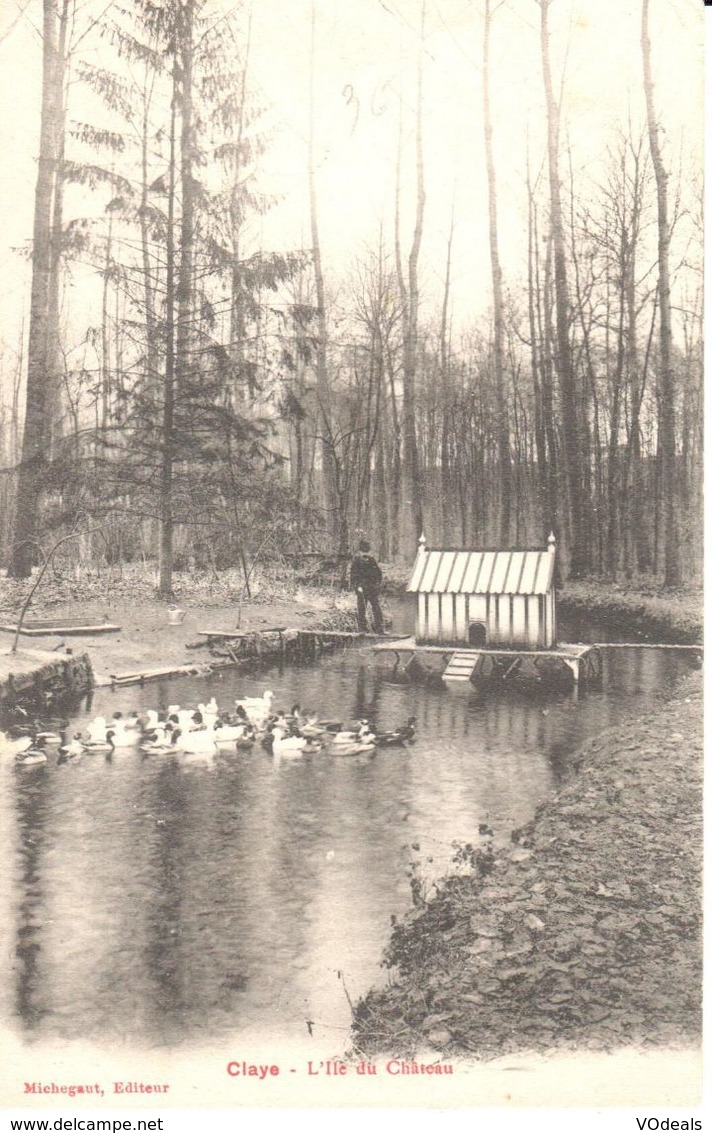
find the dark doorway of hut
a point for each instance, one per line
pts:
(477, 635)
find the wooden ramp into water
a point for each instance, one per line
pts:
(461, 666)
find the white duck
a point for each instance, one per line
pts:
(14, 746)
(356, 747)
(53, 739)
(208, 715)
(97, 729)
(229, 733)
(283, 744)
(98, 745)
(134, 723)
(30, 758)
(198, 742)
(127, 731)
(186, 723)
(73, 750)
(310, 727)
(153, 720)
(161, 741)
(362, 734)
(257, 708)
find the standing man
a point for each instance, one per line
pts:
(366, 581)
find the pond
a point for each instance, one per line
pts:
(171, 902)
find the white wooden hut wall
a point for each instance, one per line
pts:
(509, 619)
(509, 593)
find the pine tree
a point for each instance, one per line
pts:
(35, 439)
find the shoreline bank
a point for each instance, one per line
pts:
(585, 933)
(669, 617)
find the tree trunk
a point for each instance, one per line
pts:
(570, 432)
(165, 555)
(152, 352)
(445, 382)
(337, 529)
(179, 287)
(546, 339)
(34, 440)
(546, 511)
(237, 283)
(55, 360)
(504, 469)
(106, 343)
(412, 485)
(185, 287)
(666, 385)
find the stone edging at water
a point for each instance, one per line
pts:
(586, 933)
(42, 679)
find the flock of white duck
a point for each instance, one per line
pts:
(202, 732)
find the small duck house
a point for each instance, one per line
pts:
(485, 599)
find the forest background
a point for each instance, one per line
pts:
(280, 276)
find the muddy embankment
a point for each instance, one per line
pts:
(585, 932)
(653, 614)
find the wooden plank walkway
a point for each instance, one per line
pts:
(566, 649)
(461, 664)
(348, 634)
(644, 645)
(410, 643)
(240, 634)
(582, 660)
(139, 676)
(34, 628)
(336, 634)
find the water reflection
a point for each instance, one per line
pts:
(162, 901)
(32, 804)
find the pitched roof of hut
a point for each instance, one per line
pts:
(482, 572)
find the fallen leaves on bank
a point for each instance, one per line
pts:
(658, 614)
(587, 931)
(136, 582)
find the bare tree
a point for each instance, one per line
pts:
(666, 385)
(328, 456)
(35, 434)
(570, 431)
(503, 458)
(165, 550)
(410, 296)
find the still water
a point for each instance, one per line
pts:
(168, 902)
